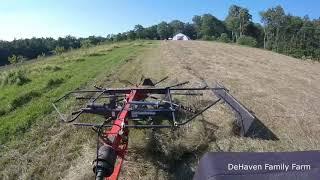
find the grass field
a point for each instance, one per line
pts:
(28, 123)
(23, 103)
(282, 91)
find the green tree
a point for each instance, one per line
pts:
(120, 37)
(245, 20)
(255, 30)
(164, 30)
(21, 59)
(59, 50)
(197, 24)
(139, 31)
(211, 26)
(237, 21)
(247, 40)
(177, 26)
(224, 38)
(85, 43)
(151, 32)
(131, 35)
(288, 34)
(190, 30)
(13, 59)
(273, 20)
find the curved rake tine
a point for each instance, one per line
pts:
(153, 97)
(187, 94)
(196, 115)
(98, 87)
(180, 84)
(74, 118)
(77, 113)
(94, 99)
(161, 80)
(126, 82)
(57, 110)
(62, 118)
(141, 79)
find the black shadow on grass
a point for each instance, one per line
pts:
(80, 60)
(52, 68)
(23, 99)
(53, 83)
(2, 112)
(96, 54)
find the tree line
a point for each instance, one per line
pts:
(280, 32)
(24, 49)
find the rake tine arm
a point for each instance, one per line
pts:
(153, 97)
(141, 80)
(179, 84)
(60, 114)
(196, 115)
(74, 118)
(148, 126)
(75, 112)
(161, 80)
(98, 87)
(126, 82)
(55, 107)
(64, 96)
(91, 125)
(98, 96)
(187, 94)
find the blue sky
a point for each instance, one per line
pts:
(81, 18)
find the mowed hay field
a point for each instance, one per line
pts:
(282, 91)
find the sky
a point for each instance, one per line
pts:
(82, 18)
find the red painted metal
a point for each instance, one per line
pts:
(120, 135)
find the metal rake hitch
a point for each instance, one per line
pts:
(139, 107)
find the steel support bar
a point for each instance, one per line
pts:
(156, 103)
(152, 90)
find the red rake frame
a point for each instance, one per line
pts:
(113, 132)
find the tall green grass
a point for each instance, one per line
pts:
(14, 77)
(22, 104)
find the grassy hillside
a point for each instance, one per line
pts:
(34, 144)
(28, 91)
(282, 91)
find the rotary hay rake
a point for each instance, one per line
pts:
(141, 107)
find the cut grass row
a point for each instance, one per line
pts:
(23, 104)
